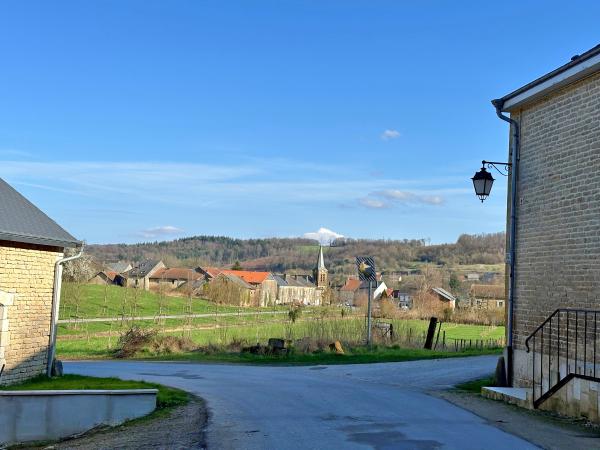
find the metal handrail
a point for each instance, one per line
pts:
(551, 346)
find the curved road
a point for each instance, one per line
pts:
(381, 406)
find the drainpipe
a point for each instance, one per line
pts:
(511, 256)
(58, 269)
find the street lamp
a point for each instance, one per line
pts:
(483, 180)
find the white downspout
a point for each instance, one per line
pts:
(58, 269)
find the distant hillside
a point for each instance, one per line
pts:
(279, 255)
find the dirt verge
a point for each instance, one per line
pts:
(543, 429)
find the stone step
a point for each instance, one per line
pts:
(516, 396)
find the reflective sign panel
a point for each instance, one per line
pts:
(366, 268)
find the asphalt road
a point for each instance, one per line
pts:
(380, 406)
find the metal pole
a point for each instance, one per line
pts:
(369, 316)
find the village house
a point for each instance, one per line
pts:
(119, 267)
(209, 273)
(446, 298)
(487, 296)
(555, 197)
(296, 291)
(353, 291)
(109, 277)
(349, 291)
(172, 278)
(31, 250)
(402, 298)
(296, 287)
(139, 276)
(263, 282)
(230, 289)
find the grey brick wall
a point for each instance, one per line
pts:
(558, 224)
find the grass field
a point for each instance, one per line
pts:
(245, 327)
(167, 397)
(87, 344)
(90, 300)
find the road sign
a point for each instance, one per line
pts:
(366, 268)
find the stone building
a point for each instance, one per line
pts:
(296, 291)
(31, 245)
(173, 278)
(262, 282)
(487, 296)
(139, 276)
(555, 138)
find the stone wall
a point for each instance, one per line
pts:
(306, 295)
(558, 212)
(27, 273)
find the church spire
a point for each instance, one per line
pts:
(321, 261)
(320, 273)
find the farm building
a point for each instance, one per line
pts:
(294, 291)
(231, 290)
(487, 296)
(447, 299)
(139, 276)
(555, 257)
(172, 278)
(119, 266)
(108, 277)
(31, 253)
(353, 291)
(263, 282)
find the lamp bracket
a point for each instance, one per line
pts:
(506, 166)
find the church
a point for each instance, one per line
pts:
(303, 288)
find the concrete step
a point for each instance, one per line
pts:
(516, 396)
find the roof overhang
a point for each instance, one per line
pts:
(577, 69)
(38, 240)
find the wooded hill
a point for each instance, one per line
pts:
(279, 255)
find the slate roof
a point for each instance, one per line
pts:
(444, 293)
(299, 282)
(143, 268)
(119, 267)
(320, 260)
(22, 221)
(575, 60)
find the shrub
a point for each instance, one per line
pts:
(133, 341)
(172, 344)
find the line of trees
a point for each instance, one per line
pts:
(279, 255)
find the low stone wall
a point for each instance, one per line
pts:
(27, 416)
(578, 398)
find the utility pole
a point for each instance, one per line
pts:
(369, 314)
(367, 273)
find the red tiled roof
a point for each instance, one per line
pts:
(352, 284)
(176, 273)
(248, 276)
(212, 271)
(111, 274)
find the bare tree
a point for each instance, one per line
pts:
(78, 270)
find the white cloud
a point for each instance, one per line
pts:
(323, 235)
(388, 197)
(388, 135)
(166, 230)
(373, 203)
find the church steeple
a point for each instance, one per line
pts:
(320, 271)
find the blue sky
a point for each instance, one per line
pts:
(130, 120)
